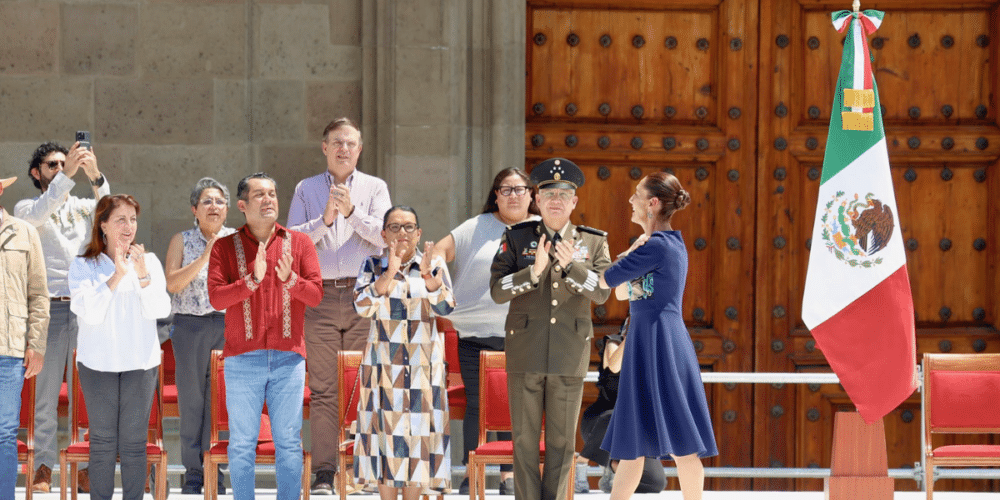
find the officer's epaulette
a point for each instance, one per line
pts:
(591, 230)
(528, 224)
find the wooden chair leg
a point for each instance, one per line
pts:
(62, 475)
(306, 472)
(73, 480)
(470, 471)
(210, 476)
(29, 476)
(929, 479)
(161, 478)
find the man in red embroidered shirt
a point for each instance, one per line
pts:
(264, 276)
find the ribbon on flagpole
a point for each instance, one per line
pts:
(860, 98)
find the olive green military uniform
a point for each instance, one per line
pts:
(548, 335)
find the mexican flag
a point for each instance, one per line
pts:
(857, 300)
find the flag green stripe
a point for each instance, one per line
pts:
(844, 146)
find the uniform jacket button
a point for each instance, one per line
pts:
(555, 285)
(553, 321)
(555, 302)
(557, 268)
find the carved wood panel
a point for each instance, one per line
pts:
(643, 86)
(937, 87)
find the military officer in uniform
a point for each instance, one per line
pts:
(549, 270)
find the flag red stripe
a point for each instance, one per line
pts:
(871, 346)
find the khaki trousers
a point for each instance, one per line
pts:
(558, 397)
(330, 327)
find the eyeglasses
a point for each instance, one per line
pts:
(409, 228)
(54, 164)
(207, 202)
(515, 190)
(552, 194)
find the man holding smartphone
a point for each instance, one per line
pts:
(341, 209)
(63, 222)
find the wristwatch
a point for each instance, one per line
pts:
(98, 182)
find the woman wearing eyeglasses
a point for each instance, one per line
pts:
(477, 318)
(198, 327)
(403, 438)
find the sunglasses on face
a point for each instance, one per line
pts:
(54, 164)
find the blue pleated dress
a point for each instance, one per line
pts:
(661, 408)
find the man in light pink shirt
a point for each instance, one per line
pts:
(341, 209)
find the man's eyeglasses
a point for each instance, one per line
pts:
(552, 194)
(54, 164)
(351, 145)
(409, 228)
(516, 190)
(207, 202)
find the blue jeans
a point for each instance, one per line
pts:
(277, 378)
(12, 380)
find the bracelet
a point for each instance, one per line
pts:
(144, 278)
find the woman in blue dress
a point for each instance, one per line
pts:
(662, 412)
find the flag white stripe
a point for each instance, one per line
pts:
(859, 62)
(826, 272)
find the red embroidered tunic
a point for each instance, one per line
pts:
(269, 314)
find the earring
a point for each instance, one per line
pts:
(649, 214)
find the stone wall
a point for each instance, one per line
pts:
(173, 90)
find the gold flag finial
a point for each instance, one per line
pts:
(857, 6)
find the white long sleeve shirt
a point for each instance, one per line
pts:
(117, 327)
(64, 223)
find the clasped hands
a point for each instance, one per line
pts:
(432, 281)
(564, 254)
(339, 202)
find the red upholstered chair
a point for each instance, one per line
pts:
(961, 396)
(26, 448)
(79, 448)
(456, 388)
(218, 451)
(494, 415)
(170, 408)
(348, 363)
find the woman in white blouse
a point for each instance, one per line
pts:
(118, 291)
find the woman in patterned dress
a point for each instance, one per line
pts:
(402, 440)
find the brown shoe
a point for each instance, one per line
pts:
(43, 479)
(83, 481)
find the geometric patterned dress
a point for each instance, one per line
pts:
(403, 436)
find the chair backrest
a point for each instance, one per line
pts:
(28, 407)
(169, 363)
(79, 420)
(961, 393)
(348, 365)
(494, 406)
(450, 345)
(217, 383)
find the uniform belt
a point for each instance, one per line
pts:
(61, 299)
(341, 282)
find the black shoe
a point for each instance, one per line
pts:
(507, 486)
(464, 488)
(323, 484)
(192, 486)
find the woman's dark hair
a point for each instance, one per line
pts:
(668, 190)
(40, 153)
(102, 213)
(491, 201)
(403, 208)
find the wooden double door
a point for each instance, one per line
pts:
(734, 98)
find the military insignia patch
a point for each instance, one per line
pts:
(855, 229)
(581, 254)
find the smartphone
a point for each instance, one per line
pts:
(83, 137)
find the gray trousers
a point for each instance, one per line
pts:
(193, 339)
(558, 398)
(118, 409)
(58, 357)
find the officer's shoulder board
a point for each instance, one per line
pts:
(591, 230)
(528, 224)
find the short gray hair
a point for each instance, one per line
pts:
(207, 183)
